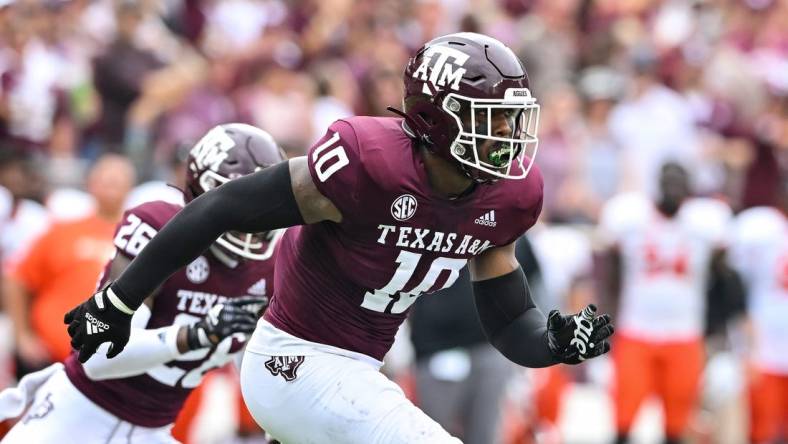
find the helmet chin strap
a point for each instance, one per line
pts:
(223, 257)
(417, 130)
(476, 178)
(408, 124)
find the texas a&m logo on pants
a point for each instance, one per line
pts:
(285, 366)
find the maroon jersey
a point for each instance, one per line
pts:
(154, 398)
(350, 284)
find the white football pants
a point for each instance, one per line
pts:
(62, 414)
(333, 397)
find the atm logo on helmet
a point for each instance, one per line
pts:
(211, 150)
(441, 66)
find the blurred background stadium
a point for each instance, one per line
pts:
(624, 85)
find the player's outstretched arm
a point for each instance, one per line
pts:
(277, 197)
(518, 329)
(150, 348)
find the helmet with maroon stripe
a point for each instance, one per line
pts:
(225, 153)
(456, 87)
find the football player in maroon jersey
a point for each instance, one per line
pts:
(193, 322)
(384, 210)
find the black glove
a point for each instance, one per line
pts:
(238, 315)
(574, 338)
(102, 318)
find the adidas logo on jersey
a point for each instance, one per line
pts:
(94, 325)
(258, 289)
(487, 219)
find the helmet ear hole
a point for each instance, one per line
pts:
(453, 105)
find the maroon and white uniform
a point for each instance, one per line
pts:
(344, 288)
(351, 284)
(141, 405)
(153, 399)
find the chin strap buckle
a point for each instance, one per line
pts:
(414, 128)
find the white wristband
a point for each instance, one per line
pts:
(115, 300)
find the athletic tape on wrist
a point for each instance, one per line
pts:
(115, 300)
(203, 337)
(170, 335)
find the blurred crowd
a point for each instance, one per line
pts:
(624, 86)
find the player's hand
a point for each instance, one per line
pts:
(99, 320)
(575, 338)
(238, 315)
(253, 304)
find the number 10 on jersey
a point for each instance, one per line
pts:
(391, 298)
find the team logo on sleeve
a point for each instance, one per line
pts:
(197, 272)
(258, 288)
(404, 207)
(285, 366)
(211, 150)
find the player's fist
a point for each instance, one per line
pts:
(238, 315)
(253, 304)
(575, 338)
(102, 318)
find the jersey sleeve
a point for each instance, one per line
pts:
(139, 225)
(524, 197)
(530, 216)
(336, 166)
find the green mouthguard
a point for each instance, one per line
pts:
(500, 157)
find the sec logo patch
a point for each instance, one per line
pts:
(404, 207)
(197, 272)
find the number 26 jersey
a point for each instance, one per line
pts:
(154, 398)
(351, 284)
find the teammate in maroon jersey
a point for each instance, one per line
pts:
(195, 321)
(389, 209)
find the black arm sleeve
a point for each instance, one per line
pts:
(258, 202)
(512, 322)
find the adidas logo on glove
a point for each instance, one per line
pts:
(94, 325)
